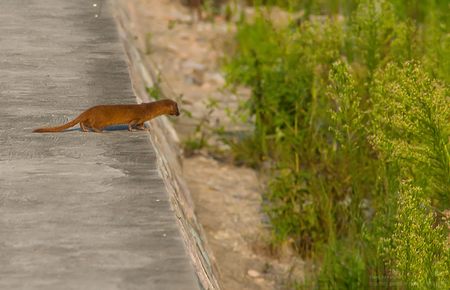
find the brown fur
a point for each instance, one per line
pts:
(99, 117)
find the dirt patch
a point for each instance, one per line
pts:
(227, 198)
(228, 205)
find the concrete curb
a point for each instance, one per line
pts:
(166, 143)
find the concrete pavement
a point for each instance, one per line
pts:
(77, 210)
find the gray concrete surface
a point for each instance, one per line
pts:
(77, 210)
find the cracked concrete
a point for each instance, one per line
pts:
(77, 210)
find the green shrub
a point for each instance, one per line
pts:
(343, 267)
(411, 118)
(421, 255)
(344, 109)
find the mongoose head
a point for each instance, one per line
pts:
(173, 107)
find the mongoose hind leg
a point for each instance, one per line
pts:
(97, 130)
(86, 126)
(83, 127)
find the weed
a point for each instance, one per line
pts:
(344, 110)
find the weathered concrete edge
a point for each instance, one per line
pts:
(166, 143)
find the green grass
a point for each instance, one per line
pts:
(352, 115)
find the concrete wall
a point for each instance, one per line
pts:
(166, 142)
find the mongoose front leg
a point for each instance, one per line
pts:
(140, 126)
(131, 125)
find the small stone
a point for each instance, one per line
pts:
(260, 281)
(216, 78)
(198, 77)
(192, 65)
(221, 235)
(253, 273)
(172, 47)
(206, 86)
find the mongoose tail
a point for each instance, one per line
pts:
(59, 128)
